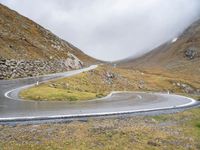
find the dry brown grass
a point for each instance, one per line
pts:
(170, 58)
(95, 84)
(21, 38)
(176, 131)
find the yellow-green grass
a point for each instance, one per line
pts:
(174, 131)
(95, 84)
(49, 93)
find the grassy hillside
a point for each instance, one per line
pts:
(180, 57)
(101, 81)
(21, 38)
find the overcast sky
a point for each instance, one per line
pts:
(111, 29)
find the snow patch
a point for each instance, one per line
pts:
(174, 40)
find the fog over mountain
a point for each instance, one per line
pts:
(112, 29)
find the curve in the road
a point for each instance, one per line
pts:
(12, 108)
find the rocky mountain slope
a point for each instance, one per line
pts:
(27, 49)
(179, 56)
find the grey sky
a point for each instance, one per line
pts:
(111, 29)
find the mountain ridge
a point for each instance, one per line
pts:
(180, 56)
(22, 38)
(28, 49)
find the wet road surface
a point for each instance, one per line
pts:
(12, 108)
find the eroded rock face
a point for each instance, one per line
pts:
(10, 69)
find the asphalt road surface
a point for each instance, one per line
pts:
(12, 108)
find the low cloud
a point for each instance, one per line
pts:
(111, 29)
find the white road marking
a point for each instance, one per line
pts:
(73, 72)
(93, 114)
(192, 101)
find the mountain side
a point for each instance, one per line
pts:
(180, 56)
(25, 44)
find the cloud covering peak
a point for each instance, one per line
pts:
(111, 29)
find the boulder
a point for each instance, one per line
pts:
(191, 53)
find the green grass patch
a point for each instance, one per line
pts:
(53, 94)
(160, 118)
(198, 124)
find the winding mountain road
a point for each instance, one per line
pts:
(12, 108)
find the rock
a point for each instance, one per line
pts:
(186, 88)
(73, 62)
(2, 61)
(53, 85)
(12, 68)
(141, 84)
(51, 57)
(191, 53)
(73, 57)
(198, 91)
(153, 143)
(11, 46)
(110, 75)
